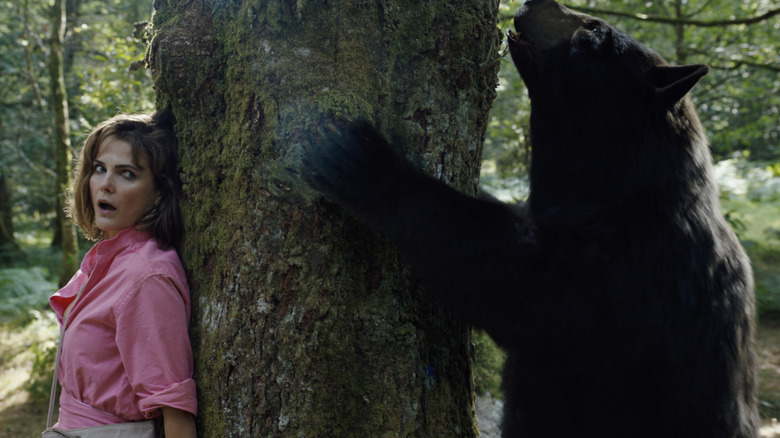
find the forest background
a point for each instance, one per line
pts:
(103, 69)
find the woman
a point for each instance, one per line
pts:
(126, 354)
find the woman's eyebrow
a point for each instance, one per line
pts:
(119, 166)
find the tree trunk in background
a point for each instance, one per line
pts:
(680, 48)
(9, 249)
(59, 104)
(305, 323)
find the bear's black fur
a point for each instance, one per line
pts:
(622, 297)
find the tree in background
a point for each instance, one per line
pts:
(63, 154)
(304, 323)
(9, 249)
(99, 56)
(26, 135)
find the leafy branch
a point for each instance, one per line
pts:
(684, 21)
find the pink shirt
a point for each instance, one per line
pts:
(127, 350)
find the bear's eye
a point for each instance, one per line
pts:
(591, 25)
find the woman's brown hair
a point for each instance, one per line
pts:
(151, 137)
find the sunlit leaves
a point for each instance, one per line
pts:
(100, 48)
(103, 83)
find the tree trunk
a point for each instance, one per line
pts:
(680, 49)
(9, 249)
(305, 323)
(63, 155)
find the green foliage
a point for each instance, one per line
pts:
(766, 267)
(34, 236)
(113, 49)
(102, 54)
(22, 289)
(25, 153)
(24, 292)
(44, 355)
(507, 145)
(488, 363)
(750, 194)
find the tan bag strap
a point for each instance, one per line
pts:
(53, 395)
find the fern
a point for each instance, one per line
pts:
(22, 289)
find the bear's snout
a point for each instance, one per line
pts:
(546, 24)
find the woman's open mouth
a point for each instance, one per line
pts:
(516, 39)
(105, 207)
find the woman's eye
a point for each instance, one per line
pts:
(128, 174)
(99, 169)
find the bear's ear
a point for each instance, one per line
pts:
(673, 82)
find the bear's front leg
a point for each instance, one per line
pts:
(472, 254)
(354, 165)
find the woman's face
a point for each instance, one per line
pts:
(121, 190)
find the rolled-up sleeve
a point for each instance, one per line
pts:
(153, 340)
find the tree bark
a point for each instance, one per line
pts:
(305, 323)
(63, 155)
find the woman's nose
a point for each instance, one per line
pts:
(105, 182)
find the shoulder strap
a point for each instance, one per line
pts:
(53, 395)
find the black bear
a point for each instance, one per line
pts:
(621, 295)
